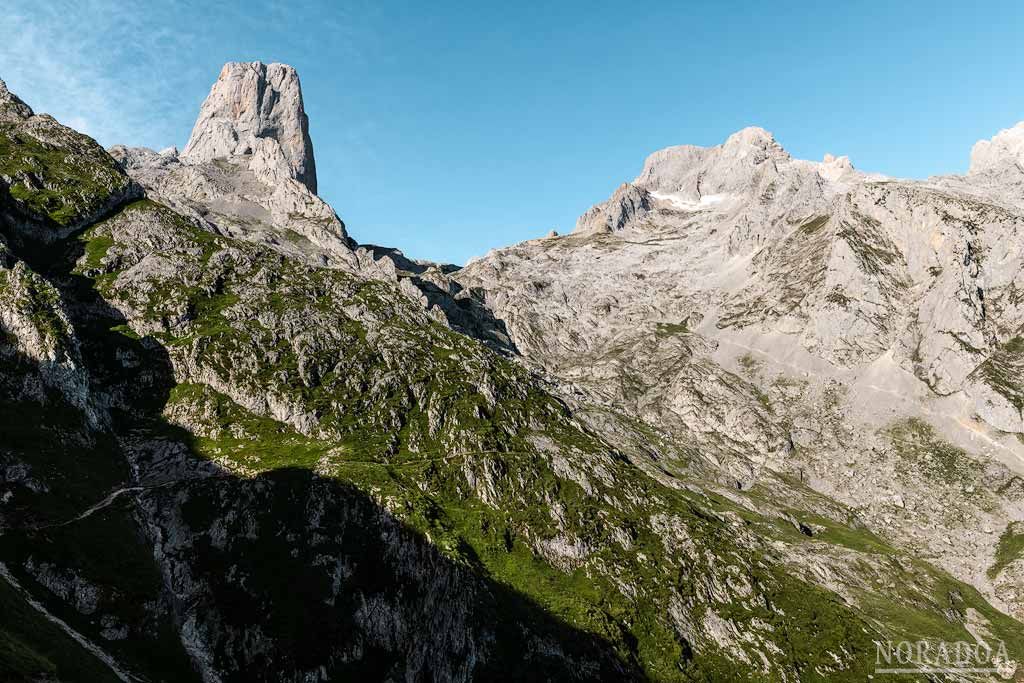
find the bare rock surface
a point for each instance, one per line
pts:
(250, 107)
(728, 294)
(11, 106)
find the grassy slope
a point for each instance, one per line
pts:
(62, 179)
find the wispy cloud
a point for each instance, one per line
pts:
(135, 74)
(94, 65)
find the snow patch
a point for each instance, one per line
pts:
(682, 203)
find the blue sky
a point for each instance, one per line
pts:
(447, 129)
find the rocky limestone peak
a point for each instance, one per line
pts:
(666, 168)
(687, 168)
(833, 160)
(736, 167)
(11, 106)
(832, 168)
(1004, 151)
(755, 142)
(750, 177)
(252, 103)
(628, 204)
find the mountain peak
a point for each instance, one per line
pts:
(11, 105)
(755, 142)
(1006, 148)
(750, 136)
(695, 170)
(250, 103)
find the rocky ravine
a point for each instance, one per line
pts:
(236, 446)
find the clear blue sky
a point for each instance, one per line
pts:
(447, 129)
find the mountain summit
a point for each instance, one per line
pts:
(1004, 152)
(255, 108)
(11, 107)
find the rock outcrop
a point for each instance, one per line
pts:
(53, 180)
(11, 107)
(248, 169)
(1006, 149)
(238, 176)
(997, 167)
(727, 294)
(256, 109)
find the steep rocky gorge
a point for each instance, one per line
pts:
(237, 446)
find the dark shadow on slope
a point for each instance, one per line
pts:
(99, 575)
(331, 581)
(277, 577)
(33, 649)
(403, 262)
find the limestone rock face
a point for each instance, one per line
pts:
(65, 183)
(628, 205)
(240, 176)
(248, 170)
(997, 165)
(251, 107)
(1006, 148)
(11, 107)
(847, 265)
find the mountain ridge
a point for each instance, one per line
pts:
(537, 466)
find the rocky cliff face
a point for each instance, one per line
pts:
(256, 109)
(258, 451)
(728, 293)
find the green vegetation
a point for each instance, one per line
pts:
(63, 181)
(837, 297)
(1010, 548)
(96, 249)
(294, 237)
(35, 298)
(252, 442)
(875, 252)
(916, 442)
(810, 623)
(672, 329)
(814, 225)
(1002, 371)
(415, 433)
(127, 331)
(467, 450)
(749, 364)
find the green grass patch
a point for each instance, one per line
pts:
(234, 433)
(63, 182)
(96, 249)
(917, 443)
(672, 329)
(814, 225)
(1002, 371)
(1010, 548)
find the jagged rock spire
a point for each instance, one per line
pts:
(250, 104)
(11, 106)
